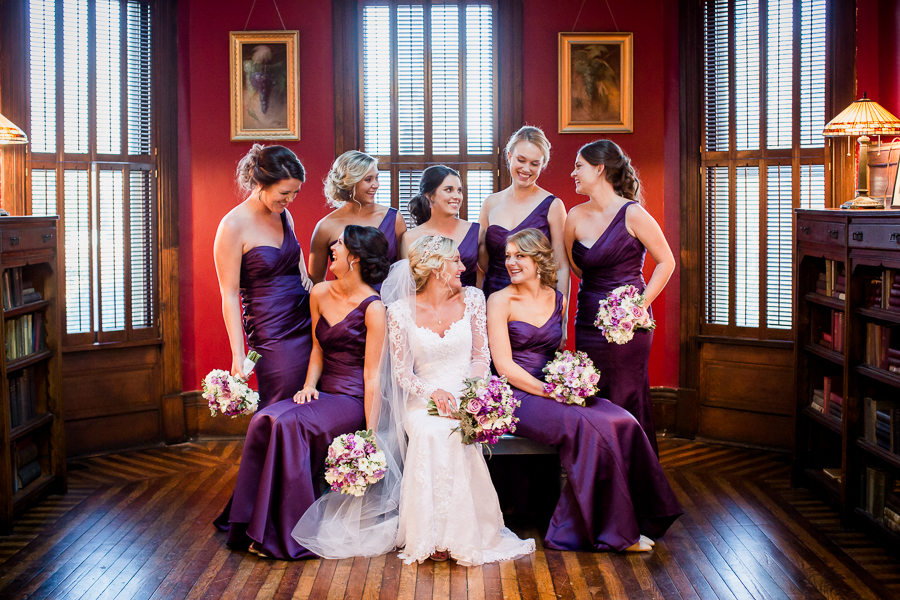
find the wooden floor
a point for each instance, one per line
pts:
(138, 526)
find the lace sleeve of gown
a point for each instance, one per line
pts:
(399, 334)
(481, 353)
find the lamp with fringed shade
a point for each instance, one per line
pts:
(10, 133)
(864, 117)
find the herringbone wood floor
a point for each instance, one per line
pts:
(138, 525)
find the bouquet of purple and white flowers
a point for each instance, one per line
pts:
(228, 395)
(354, 462)
(485, 410)
(621, 314)
(571, 377)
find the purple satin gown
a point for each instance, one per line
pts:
(615, 259)
(276, 316)
(388, 227)
(287, 444)
(616, 487)
(497, 277)
(468, 252)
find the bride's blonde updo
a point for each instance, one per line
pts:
(428, 254)
(348, 169)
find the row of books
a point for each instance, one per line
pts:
(833, 339)
(833, 282)
(879, 352)
(17, 291)
(884, 291)
(27, 464)
(22, 398)
(881, 497)
(24, 336)
(881, 423)
(830, 399)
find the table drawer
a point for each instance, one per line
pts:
(873, 235)
(18, 240)
(822, 232)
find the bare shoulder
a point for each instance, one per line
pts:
(499, 299)
(637, 213)
(491, 202)
(375, 310)
(320, 290)
(413, 234)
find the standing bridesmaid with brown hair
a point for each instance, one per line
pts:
(607, 239)
(262, 275)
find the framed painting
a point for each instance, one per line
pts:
(265, 89)
(595, 82)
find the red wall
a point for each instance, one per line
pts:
(207, 158)
(878, 52)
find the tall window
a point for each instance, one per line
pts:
(429, 95)
(92, 160)
(762, 155)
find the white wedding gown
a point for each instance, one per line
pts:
(448, 501)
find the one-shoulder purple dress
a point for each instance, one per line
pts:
(497, 277)
(468, 252)
(616, 488)
(276, 316)
(287, 444)
(388, 227)
(615, 259)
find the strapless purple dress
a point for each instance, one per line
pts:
(497, 277)
(276, 316)
(616, 487)
(468, 252)
(616, 259)
(287, 444)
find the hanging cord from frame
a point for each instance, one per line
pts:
(252, 6)
(616, 25)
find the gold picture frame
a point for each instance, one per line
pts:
(265, 88)
(596, 82)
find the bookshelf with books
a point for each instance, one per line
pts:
(847, 363)
(32, 452)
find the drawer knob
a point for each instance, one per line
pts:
(833, 233)
(804, 230)
(858, 236)
(895, 237)
(14, 241)
(49, 236)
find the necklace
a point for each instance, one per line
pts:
(436, 314)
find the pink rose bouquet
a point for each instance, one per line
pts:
(571, 378)
(354, 462)
(623, 313)
(485, 410)
(228, 395)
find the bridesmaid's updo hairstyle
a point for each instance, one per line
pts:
(431, 180)
(370, 246)
(267, 165)
(619, 172)
(427, 255)
(534, 135)
(534, 244)
(348, 169)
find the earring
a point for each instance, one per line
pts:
(351, 266)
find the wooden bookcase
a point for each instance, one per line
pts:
(839, 257)
(28, 256)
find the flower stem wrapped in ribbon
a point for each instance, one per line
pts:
(570, 378)
(621, 314)
(485, 410)
(228, 395)
(354, 462)
(250, 362)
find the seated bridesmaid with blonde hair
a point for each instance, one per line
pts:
(350, 188)
(616, 496)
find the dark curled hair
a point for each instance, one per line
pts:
(267, 165)
(432, 178)
(370, 246)
(619, 172)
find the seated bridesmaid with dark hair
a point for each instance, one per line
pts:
(617, 496)
(262, 275)
(350, 187)
(287, 443)
(436, 212)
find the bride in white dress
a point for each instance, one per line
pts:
(437, 497)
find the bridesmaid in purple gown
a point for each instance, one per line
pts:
(607, 239)
(287, 442)
(617, 496)
(521, 206)
(436, 212)
(260, 265)
(351, 187)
